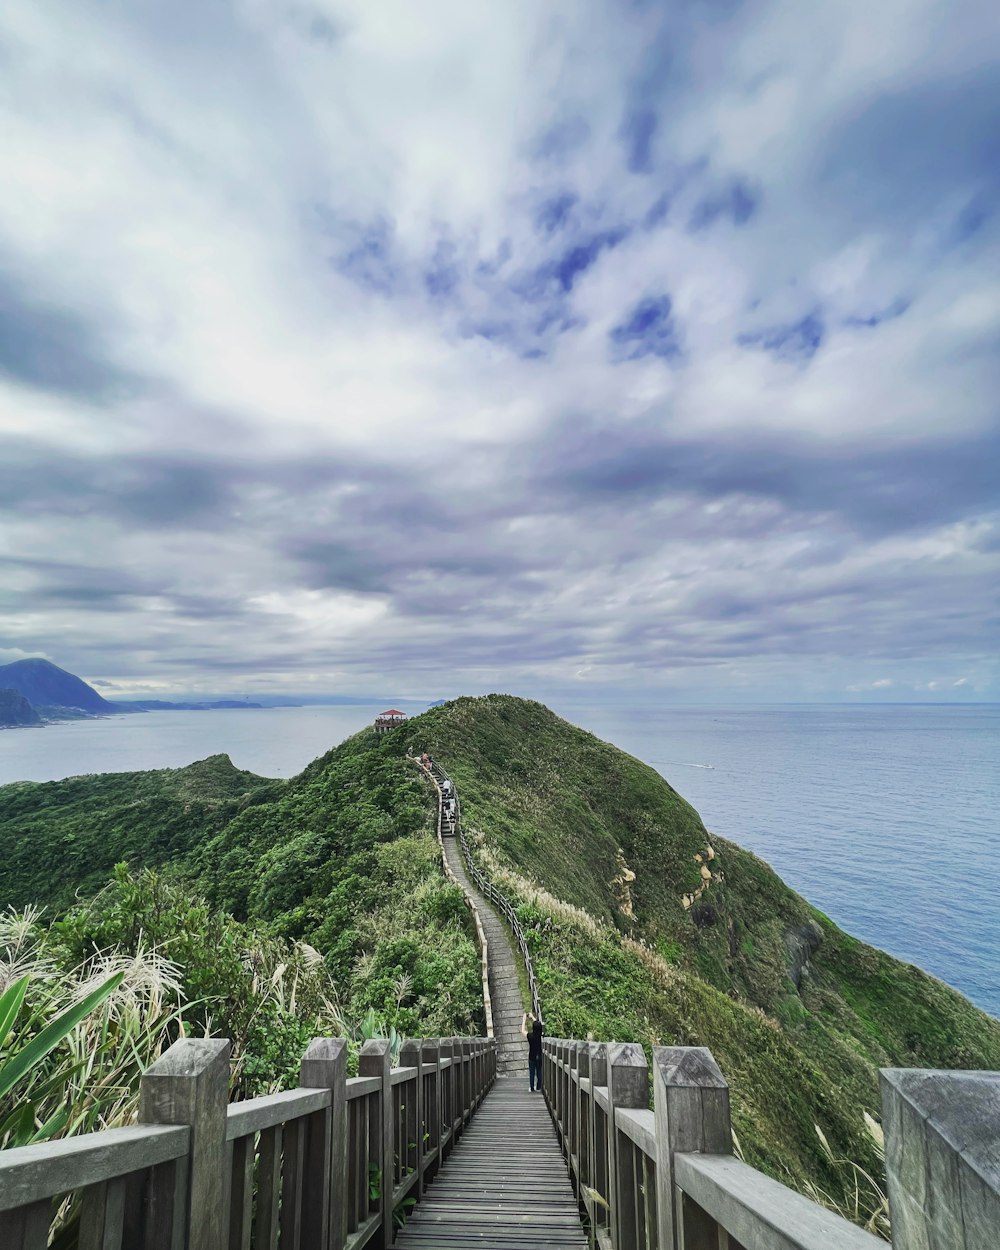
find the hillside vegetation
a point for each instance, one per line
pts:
(646, 928)
(343, 857)
(62, 838)
(642, 925)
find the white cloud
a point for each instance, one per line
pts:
(186, 188)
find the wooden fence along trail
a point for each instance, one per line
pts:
(476, 1161)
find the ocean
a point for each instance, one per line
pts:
(884, 817)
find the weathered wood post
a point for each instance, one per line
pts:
(583, 1113)
(374, 1061)
(564, 1086)
(481, 1077)
(190, 1085)
(560, 1092)
(942, 1158)
(431, 1060)
(691, 1106)
(598, 1136)
(447, 1075)
(628, 1086)
(324, 1188)
(458, 1087)
(411, 1056)
(573, 1113)
(468, 1097)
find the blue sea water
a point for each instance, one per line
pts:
(884, 817)
(887, 818)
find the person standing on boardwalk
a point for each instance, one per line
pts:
(532, 1030)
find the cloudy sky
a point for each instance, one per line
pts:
(598, 347)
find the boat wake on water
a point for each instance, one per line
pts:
(684, 764)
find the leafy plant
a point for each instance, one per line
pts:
(20, 1128)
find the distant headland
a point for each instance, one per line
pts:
(35, 691)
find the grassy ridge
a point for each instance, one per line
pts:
(642, 926)
(601, 853)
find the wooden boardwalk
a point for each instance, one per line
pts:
(505, 984)
(503, 1187)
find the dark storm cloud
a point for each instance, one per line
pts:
(874, 491)
(144, 490)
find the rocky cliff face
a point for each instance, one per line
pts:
(16, 710)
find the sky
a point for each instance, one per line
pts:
(623, 350)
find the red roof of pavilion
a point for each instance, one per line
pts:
(392, 712)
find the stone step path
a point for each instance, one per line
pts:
(503, 1187)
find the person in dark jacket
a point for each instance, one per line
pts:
(532, 1030)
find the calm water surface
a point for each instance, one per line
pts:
(883, 817)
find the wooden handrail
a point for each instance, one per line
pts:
(666, 1178)
(300, 1165)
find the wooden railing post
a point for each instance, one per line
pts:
(628, 1086)
(691, 1106)
(573, 1114)
(431, 1060)
(479, 1068)
(598, 1136)
(941, 1160)
(560, 1091)
(411, 1056)
(447, 1084)
(374, 1061)
(467, 1080)
(324, 1188)
(190, 1085)
(584, 1114)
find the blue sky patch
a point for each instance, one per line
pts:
(648, 330)
(799, 340)
(553, 214)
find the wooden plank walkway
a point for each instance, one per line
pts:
(503, 1187)
(505, 985)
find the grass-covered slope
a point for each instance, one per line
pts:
(344, 857)
(58, 838)
(643, 927)
(646, 928)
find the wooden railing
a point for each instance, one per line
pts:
(322, 1167)
(495, 896)
(666, 1178)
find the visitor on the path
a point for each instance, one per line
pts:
(532, 1030)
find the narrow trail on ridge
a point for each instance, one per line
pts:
(505, 984)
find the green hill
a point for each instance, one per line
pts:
(641, 925)
(645, 928)
(61, 838)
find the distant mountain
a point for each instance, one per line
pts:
(160, 705)
(16, 710)
(43, 683)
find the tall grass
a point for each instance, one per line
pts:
(89, 1080)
